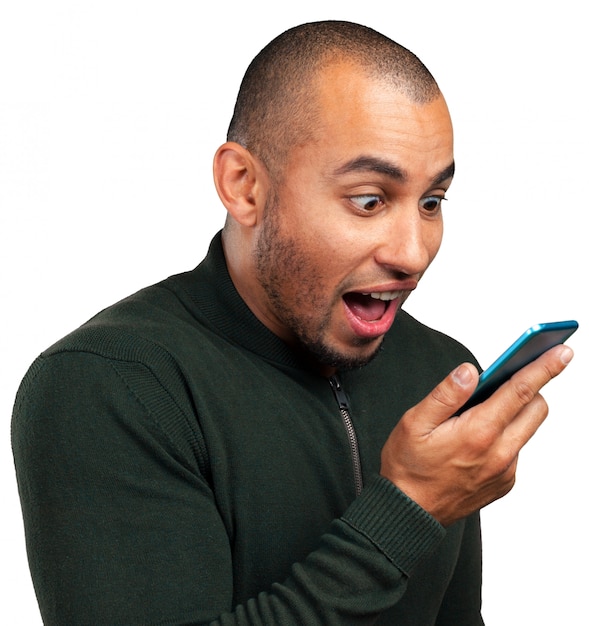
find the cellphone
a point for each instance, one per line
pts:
(535, 341)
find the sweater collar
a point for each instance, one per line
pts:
(220, 307)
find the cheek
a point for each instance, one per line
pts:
(434, 239)
(325, 246)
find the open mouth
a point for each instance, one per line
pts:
(370, 307)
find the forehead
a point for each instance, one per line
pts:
(360, 113)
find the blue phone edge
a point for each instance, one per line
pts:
(563, 329)
(567, 327)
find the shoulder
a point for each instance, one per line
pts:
(116, 373)
(130, 344)
(141, 327)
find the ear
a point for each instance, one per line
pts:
(241, 183)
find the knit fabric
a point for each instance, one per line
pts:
(178, 464)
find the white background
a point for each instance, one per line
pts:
(110, 113)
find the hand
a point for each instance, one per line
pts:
(453, 467)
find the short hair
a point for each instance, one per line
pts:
(274, 109)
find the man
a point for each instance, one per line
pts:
(270, 439)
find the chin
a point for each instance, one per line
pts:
(352, 358)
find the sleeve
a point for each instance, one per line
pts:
(121, 524)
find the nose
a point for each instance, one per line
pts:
(409, 241)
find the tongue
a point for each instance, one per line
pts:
(365, 307)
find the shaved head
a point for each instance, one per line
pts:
(334, 192)
(276, 108)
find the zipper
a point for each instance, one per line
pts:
(344, 409)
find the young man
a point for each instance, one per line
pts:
(270, 438)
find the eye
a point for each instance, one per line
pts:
(432, 204)
(367, 203)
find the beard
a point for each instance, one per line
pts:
(293, 286)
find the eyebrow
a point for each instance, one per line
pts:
(382, 166)
(372, 164)
(446, 173)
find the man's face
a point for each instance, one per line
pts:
(356, 220)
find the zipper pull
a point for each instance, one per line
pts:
(340, 394)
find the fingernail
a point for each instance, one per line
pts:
(462, 375)
(566, 355)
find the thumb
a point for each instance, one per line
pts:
(448, 396)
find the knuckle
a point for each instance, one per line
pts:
(524, 391)
(507, 484)
(552, 370)
(502, 475)
(484, 433)
(440, 395)
(503, 464)
(486, 436)
(540, 405)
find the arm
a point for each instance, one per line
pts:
(122, 524)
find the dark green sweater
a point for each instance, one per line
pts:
(178, 464)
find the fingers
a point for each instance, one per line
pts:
(522, 391)
(452, 467)
(525, 424)
(447, 397)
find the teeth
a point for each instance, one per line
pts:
(384, 295)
